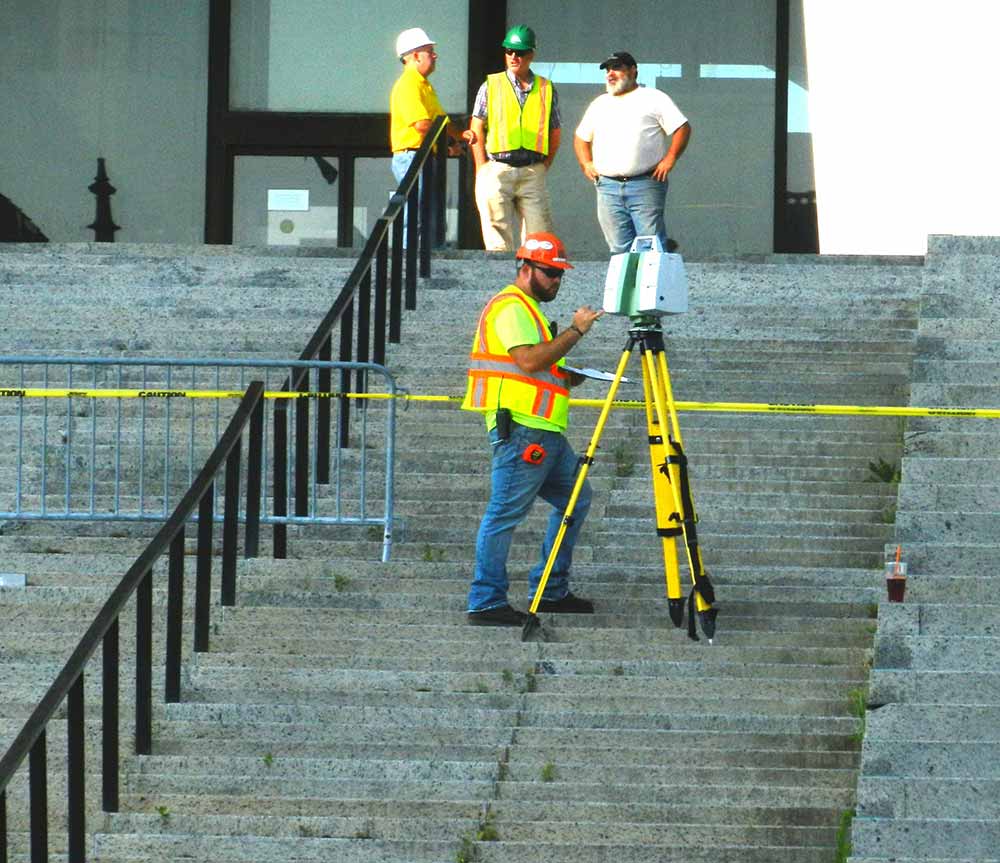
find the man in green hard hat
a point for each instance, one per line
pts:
(517, 130)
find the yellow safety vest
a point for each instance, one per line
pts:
(536, 399)
(511, 127)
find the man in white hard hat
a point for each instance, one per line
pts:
(413, 104)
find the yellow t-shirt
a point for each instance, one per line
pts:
(412, 99)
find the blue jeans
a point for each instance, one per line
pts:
(401, 164)
(630, 209)
(515, 484)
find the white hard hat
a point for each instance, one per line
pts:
(411, 39)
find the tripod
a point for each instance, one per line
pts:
(675, 515)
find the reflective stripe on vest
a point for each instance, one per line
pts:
(543, 394)
(510, 127)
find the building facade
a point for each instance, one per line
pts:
(209, 114)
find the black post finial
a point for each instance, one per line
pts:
(103, 226)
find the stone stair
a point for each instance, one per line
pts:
(931, 758)
(346, 711)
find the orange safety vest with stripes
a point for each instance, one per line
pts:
(509, 126)
(535, 399)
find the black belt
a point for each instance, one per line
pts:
(621, 178)
(520, 161)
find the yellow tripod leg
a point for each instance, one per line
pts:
(580, 478)
(659, 373)
(675, 431)
(668, 517)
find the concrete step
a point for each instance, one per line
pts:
(928, 839)
(896, 797)
(166, 847)
(397, 829)
(390, 723)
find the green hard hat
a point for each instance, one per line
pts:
(519, 38)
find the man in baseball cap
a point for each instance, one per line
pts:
(627, 144)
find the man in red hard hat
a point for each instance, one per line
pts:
(517, 381)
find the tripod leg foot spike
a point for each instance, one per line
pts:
(676, 609)
(533, 630)
(707, 619)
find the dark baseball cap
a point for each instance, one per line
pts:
(619, 58)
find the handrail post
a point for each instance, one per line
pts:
(255, 453)
(364, 326)
(412, 216)
(280, 468)
(383, 301)
(324, 385)
(395, 295)
(203, 564)
(175, 618)
(3, 826)
(344, 356)
(144, 665)
(427, 196)
(38, 800)
(109, 717)
(440, 234)
(302, 449)
(230, 527)
(76, 796)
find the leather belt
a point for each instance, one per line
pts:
(621, 178)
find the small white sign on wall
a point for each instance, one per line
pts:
(288, 200)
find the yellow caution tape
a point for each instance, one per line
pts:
(709, 407)
(152, 394)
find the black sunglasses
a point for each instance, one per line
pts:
(551, 272)
(515, 52)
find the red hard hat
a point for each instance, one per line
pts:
(545, 249)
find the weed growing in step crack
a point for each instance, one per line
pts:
(858, 705)
(844, 847)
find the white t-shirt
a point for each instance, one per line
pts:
(629, 132)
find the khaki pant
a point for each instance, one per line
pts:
(506, 196)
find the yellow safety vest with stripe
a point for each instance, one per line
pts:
(511, 127)
(535, 399)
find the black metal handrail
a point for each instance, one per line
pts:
(30, 743)
(423, 228)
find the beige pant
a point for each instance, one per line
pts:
(506, 196)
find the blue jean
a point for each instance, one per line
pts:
(629, 209)
(401, 164)
(515, 485)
